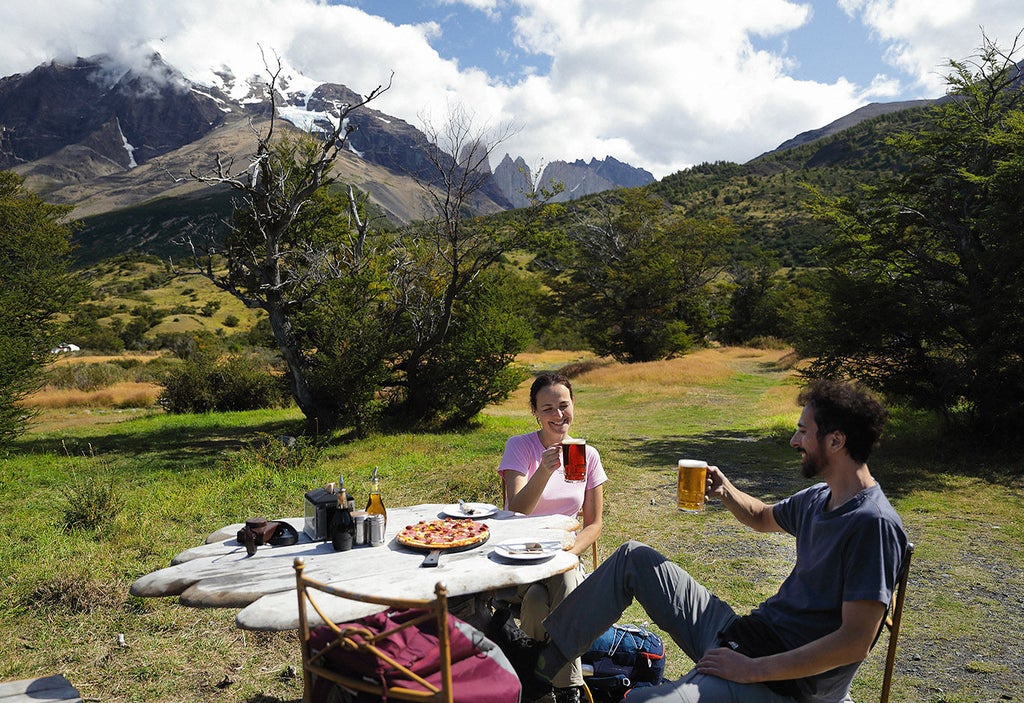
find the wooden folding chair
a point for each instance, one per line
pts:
(313, 663)
(893, 617)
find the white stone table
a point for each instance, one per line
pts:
(219, 574)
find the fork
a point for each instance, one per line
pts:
(528, 548)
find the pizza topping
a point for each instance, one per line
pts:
(443, 534)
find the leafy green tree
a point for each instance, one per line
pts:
(473, 365)
(764, 302)
(36, 288)
(370, 322)
(287, 238)
(457, 341)
(754, 309)
(924, 281)
(642, 277)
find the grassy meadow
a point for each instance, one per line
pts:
(106, 487)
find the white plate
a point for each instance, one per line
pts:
(508, 550)
(479, 510)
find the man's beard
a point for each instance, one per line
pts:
(809, 467)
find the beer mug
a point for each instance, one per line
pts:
(692, 485)
(574, 459)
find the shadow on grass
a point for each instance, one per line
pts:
(769, 468)
(164, 445)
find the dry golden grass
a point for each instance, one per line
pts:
(553, 359)
(101, 358)
(127, 394)
(665, 379)
(703, 367)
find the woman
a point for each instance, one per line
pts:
(534, 484)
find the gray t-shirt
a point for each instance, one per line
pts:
(848, 554)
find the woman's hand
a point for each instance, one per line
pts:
(551, 459)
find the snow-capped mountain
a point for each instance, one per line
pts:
(102, 137)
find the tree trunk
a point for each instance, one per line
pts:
(320, 416)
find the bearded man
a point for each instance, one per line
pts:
(805, 642)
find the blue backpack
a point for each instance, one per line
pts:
(624, 657)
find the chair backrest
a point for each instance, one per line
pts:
(579, 516)
(893, 617)
(313, 663)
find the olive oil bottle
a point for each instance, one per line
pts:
(375, 505)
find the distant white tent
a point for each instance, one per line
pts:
(65, 347)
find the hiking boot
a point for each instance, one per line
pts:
(568, 695)
(571, 694)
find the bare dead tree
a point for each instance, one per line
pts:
(268, 267)
(460, 155)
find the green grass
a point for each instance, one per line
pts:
(91, 507)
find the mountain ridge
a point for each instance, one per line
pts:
(129, 181)
(84, 132)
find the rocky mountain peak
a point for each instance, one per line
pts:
(577, 179)
(83, 130)
(58, 105)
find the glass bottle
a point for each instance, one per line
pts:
(343, 526)
(375, 504)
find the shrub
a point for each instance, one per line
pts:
(203, 384)
(284, 453)
(89, 502)
(210, 307)
(768, 342)
(85, 377)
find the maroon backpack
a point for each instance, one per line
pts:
(480, 672)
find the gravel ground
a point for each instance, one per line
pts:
(979, 658)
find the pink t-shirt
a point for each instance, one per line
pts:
(522, 455)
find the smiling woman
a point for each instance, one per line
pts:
(536, 482)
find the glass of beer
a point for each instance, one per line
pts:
(692, 485)
(574, 459)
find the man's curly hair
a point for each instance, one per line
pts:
(849, 408)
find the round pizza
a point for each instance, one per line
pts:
(443, 534)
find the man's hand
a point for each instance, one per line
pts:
(716, 482)
(850, 643)
(727, 664)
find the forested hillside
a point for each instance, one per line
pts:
(768, 197)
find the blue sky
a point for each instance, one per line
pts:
(660, 84)
(831, 45)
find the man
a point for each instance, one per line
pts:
(805, 642)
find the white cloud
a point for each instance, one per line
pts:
(491, 8)
(661, 84)
(923, 36)
(666, 84)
